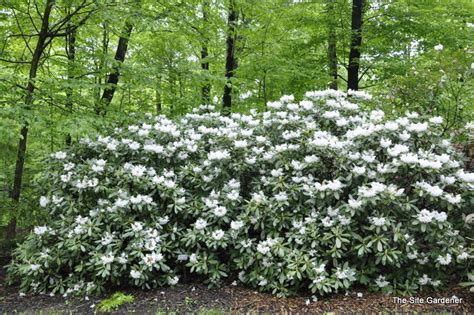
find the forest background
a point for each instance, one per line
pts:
(75, 68)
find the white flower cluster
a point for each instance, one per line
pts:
(426, 216)
(317, 192)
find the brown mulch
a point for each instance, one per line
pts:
(191, 298)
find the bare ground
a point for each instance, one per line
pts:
(192, 298)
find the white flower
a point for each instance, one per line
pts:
(156, 148)
(120, 203)
(163, 220)
(417, 127)
(136, 199)
(236, 225)
(345, 273)
(263, 248)
(281, 196)
(452, 199)
(138, 170)
(465, 177)
(436, 120)
(381, 282)
(137, 227)
(376, 115)
(107, 239)
(134, 146)
(97, 168)
(218, 155)
(35, 267)
(277, 173)
(327, 222)
(152, 259)
(385, 143)
(309, 159)
(287, 98)
(378, 221)
(334, 185)
(440, 216)
(444, 260)
(220, 211)
(60, 155)
(193, 258)
(44, 201)
(135, 274)
(107, 259)
(391, 125)
(320, 269)
(448, 180)
(409, 158)
(425, 216)
(173, 280)
(404, 136)
(424, 280)
(263, 282)
(123, 259)
(438, 47)
(397, 150)
(218, 235)
(354, 204)
(112, 146)
(433, 190)
(359, 170)
(240, 144)
(200, 224)
(40, 230)
(463, 256)
(68, 166)
(233, 195)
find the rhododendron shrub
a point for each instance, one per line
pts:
(313, 195)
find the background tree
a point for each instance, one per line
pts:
(416, 54)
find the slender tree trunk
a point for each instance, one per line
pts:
(356, 42)
(332, 45)
(113, 77)
(158, 101)
(264, 88)
(71, 56)
(230, 63)
(206, 88)
(29, 91)
(101, 65)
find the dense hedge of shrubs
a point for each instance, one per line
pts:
(319, 194)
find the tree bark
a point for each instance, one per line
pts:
(29, 91)
(114, 75)
(206, 88)
(332, 45)
(356, 42)
(71, 56)
(230, 63)
(158, 101)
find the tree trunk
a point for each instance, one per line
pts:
(332, 46)
(158, 102)
(356, 42)
(230, 63)
(71, 56)
(206, 88)
(29, 90)
(113, 77)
